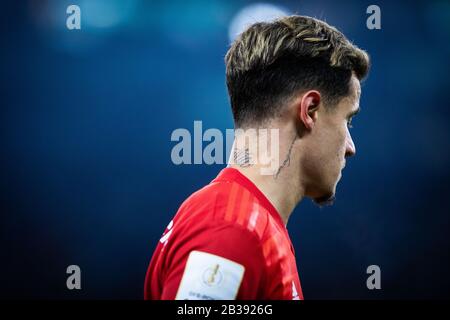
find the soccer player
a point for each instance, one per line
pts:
(229, 240)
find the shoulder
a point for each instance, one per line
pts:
(224, 205)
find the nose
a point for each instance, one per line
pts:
(350, 149)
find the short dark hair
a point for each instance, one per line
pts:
(270, 61)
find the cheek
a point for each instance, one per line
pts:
(314, 160)
(337, 144)
(323, 157)
(342, 143)
(326, 151)
(334, 153)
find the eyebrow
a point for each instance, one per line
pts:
(354, 112)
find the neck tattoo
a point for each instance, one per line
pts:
(242, 158)
(286, 161)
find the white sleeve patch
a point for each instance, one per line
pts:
(210, 277)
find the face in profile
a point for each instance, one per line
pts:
(328, 146)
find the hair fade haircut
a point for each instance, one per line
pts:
(271, 61)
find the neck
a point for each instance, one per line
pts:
(278, 179)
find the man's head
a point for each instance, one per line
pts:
(305, 72)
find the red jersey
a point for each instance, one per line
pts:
(227, 241)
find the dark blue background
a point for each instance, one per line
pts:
(86, 117)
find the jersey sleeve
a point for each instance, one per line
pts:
(221, 262)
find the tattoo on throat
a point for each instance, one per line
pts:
(286, 161)
(242, 158)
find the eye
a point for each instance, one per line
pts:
(349, 123)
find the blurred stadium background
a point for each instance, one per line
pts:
(86, 117)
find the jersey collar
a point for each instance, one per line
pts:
(232, 174)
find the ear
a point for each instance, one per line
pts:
(307, 108)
